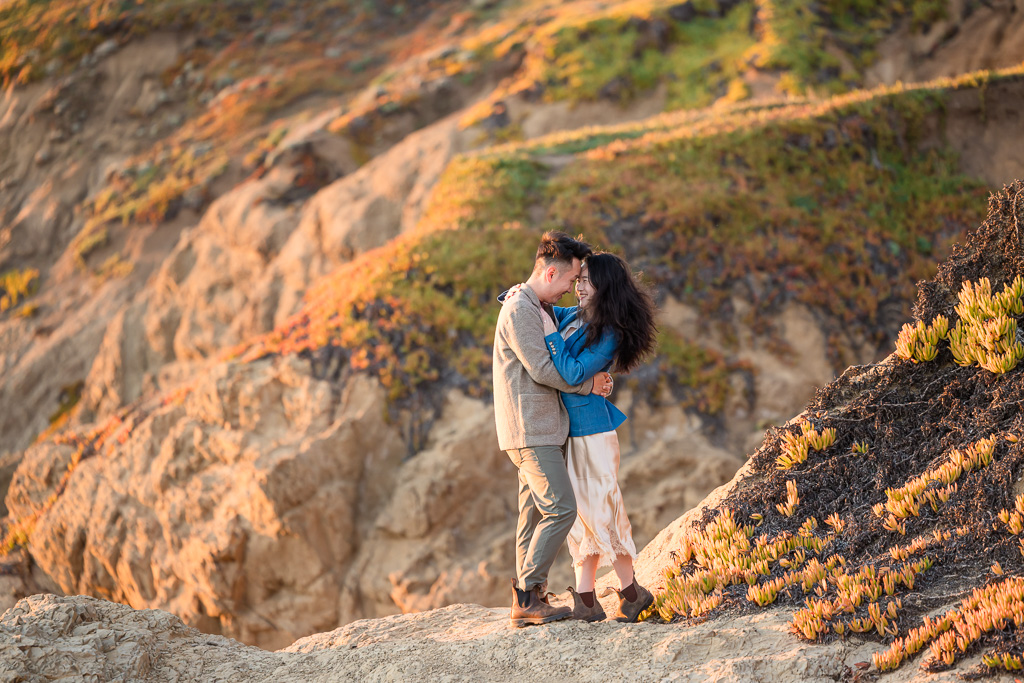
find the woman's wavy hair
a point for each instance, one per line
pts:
(622, 304)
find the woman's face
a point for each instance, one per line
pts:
(584, 290)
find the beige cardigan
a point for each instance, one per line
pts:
(527, 408)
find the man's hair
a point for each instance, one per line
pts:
(557, 248)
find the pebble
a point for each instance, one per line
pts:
(105, 49)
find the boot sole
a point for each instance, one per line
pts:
(536, 621)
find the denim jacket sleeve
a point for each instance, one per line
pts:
(523, 332)
(562, 313)
(588, 363)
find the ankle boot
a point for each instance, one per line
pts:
(528, 608)
(582, 612)
(629, 610)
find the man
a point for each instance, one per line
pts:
(533, 425)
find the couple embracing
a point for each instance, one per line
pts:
(554, 420)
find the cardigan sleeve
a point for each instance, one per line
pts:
(590, 361)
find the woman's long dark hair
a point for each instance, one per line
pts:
(622, 304)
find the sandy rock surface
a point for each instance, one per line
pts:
(47, 638)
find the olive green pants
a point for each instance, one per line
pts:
(547, 510)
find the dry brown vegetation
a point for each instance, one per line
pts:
(917, 488)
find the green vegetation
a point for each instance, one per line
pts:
(476, 191)
(704, 54)
(762, 202)
(757, 185)
(810, 41)
(574, 53)
(705, 57)
(148, 192)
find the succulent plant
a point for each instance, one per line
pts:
(792, 500)
(919, 342)
(985, 334)
(796, 447)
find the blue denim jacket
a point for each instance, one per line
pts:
(589, 414)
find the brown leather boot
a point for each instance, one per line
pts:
(629, 611)
(527, 608)
(582, 612)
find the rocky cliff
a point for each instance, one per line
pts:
(960, 469)
(244, 368)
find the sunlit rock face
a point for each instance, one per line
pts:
(267, 505)
(238, 509)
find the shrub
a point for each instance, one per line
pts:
(16, 286)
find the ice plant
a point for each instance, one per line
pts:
(907, 500)
(796, 447)
(985, 334)
(994, 607)
(1013, 519)
(792, 500)
(836, 523)
(920, 342)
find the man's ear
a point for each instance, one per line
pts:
(550, 273)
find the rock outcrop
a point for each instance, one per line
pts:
(46, 637)
(265, 504)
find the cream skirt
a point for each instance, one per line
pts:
(601, 526)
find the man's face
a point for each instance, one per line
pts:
(562, 281)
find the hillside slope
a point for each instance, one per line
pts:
(248, 264)
(919, 486)
(959, 585)
(342, 440)
(106, 208)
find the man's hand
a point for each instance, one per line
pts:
(603, 384)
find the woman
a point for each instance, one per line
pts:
(612, 328)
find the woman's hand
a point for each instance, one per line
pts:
(511, 293)
(603, 384)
